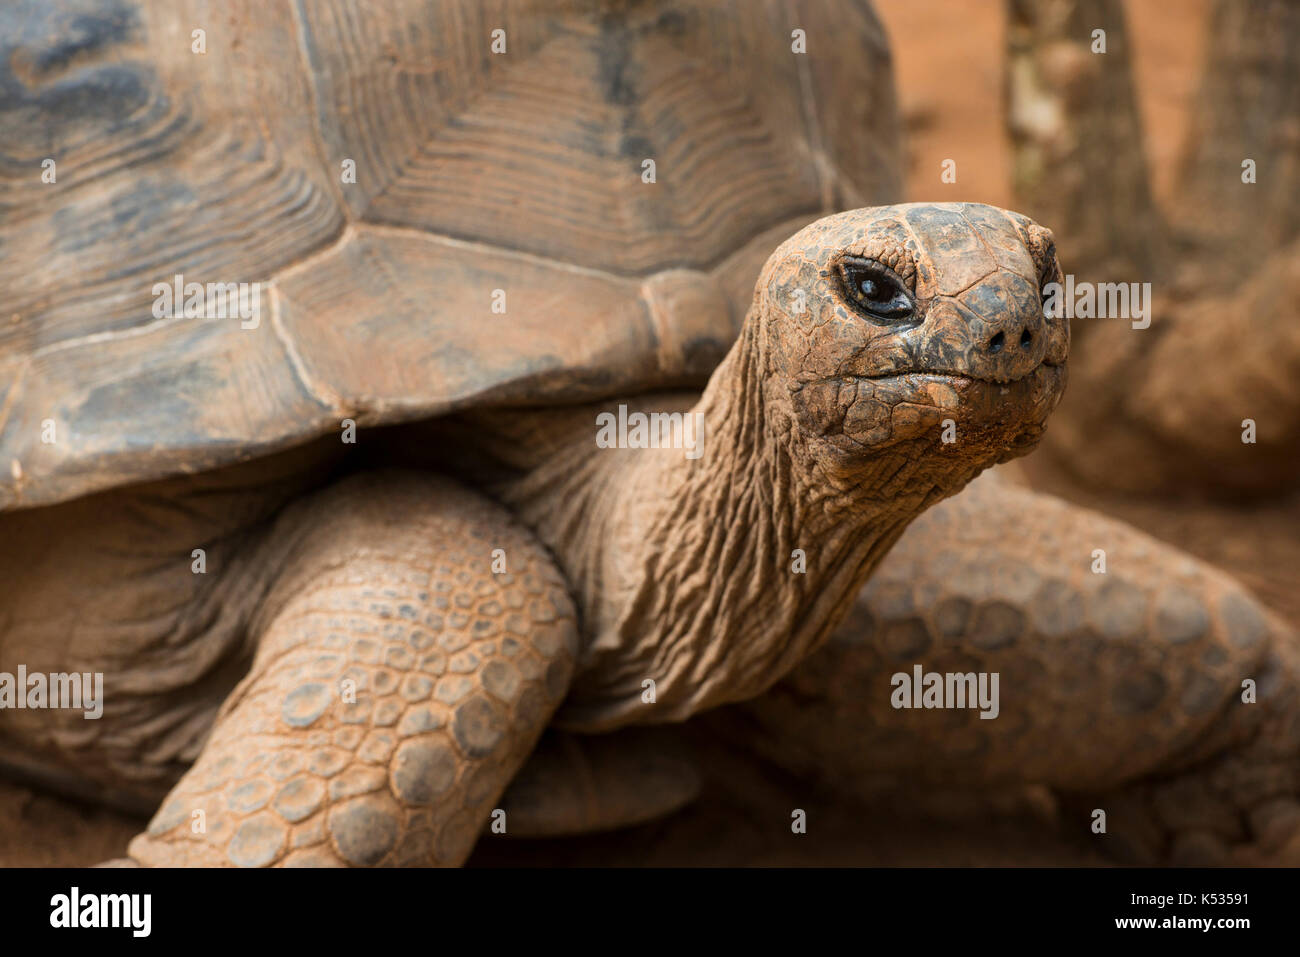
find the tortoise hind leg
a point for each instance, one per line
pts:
(585, 783)
(397, 686)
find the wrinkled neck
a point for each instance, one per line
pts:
(704, 580)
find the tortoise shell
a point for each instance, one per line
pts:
(433, 206)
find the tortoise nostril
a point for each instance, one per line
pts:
(995, 344)
(1026, 337)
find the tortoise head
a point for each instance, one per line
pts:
(915, 328)
(889, 356)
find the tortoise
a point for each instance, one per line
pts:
(182, 446)
(340, 533)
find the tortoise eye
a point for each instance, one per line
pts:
(871, 289)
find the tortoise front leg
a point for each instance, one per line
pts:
(1159, 683)
(398, 685)
(1240, 805)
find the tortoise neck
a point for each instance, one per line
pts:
(711, 574)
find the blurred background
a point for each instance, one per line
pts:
(1119, 156)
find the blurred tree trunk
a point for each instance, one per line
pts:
(1248, 109)
(1164, 409)
(1079, 164)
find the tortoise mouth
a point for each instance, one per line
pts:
(1009, 403)
(955, 375)
(1046, 376)
(868, 415)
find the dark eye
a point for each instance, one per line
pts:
(873, 290)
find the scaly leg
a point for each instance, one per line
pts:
(1132, 683)
(398, 685)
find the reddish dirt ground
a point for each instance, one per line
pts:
(948, 60)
